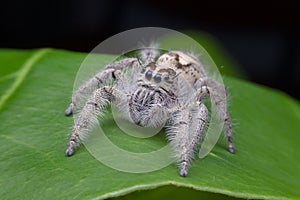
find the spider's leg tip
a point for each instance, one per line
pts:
(70, 151)
(183, 173)
(231, 149)
(183, 170)
(69, 111)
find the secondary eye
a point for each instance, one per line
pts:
(157, 78)
(148, 75)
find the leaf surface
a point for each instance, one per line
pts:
(35, 88)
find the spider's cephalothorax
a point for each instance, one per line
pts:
(153, 92)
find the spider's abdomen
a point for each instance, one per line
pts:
(186, 65)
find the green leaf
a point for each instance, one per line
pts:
(35, 88)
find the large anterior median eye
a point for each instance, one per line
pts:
(157, 78)
(148, 75)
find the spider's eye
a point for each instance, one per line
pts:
(157, 78)
(148, 75)
(167, 78)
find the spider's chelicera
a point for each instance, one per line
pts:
(154, 90)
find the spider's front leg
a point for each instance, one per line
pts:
(88, 116)
(185, 132)
(107, 74)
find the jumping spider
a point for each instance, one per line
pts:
(153, 93)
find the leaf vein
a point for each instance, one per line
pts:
(21, 75)
(8, 76)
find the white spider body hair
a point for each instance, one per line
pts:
(150, 92)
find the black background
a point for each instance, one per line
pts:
(263, 37)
